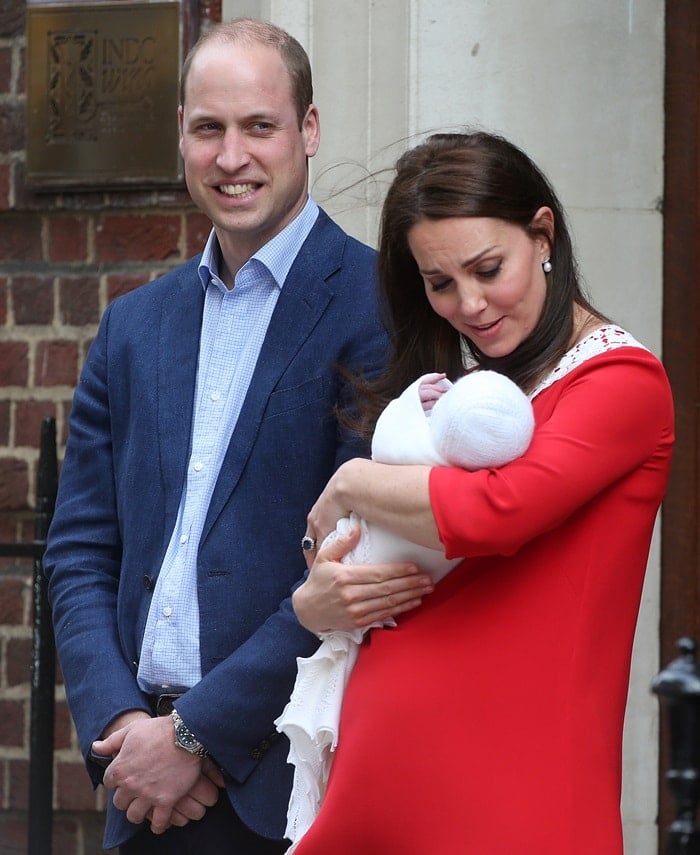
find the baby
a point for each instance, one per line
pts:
(482, 421)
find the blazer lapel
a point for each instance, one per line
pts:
(178, 349)
(302, 302)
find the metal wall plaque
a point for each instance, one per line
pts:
(102, 94)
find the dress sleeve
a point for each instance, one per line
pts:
(610, 416)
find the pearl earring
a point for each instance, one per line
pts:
(547, 265)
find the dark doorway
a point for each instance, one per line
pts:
(680, 578)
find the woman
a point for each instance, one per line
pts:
(489, 721)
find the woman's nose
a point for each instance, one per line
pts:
(471, 299)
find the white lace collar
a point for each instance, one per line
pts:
(603, 339)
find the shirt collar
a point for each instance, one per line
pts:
(277, 255)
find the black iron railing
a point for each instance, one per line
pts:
(39, 815)
(678, 688)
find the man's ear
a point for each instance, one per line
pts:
(311, 129)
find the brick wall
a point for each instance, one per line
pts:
(63, 258)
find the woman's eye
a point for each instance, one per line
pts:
(490, 273)
(439, 286)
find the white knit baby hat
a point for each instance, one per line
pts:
(484, 420)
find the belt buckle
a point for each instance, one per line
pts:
(164, 703)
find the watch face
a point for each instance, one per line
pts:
(186, 738)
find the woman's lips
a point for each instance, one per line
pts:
(485, 330)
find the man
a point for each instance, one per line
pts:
(202, 431)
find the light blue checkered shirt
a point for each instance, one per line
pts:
(234, 325)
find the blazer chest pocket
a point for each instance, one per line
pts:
(296, 397)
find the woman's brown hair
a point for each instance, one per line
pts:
(465, 175)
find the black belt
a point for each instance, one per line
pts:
(164, 704)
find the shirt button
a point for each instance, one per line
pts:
(167, 611)
(183, 538)
(215, 396)
(198, 466)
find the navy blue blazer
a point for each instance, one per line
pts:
(120, 489)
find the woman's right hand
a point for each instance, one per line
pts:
(352, 596)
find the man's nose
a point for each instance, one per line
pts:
(233, 153)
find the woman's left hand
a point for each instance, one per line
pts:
(329, 507)
(337, 596)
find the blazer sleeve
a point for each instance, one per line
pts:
(83, 558)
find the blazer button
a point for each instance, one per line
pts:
(148, 583)
(256, 754)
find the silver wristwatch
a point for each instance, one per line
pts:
(185, 738)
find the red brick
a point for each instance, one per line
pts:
(14, 484)
(79, 301)
(14, 363)
(67, 238)
(28, 418)
(22, 68)
(66, 834)
(18, 794)
(32, 300)
(8, 530)
(63, 731)
(73, 787)
(4, 290)
(197, 228)
(62, 437)
(78, 833)
(133, 237)
(13, 833)
(4, 423)
(11, 19)
(15, 565)
(118, 285)
(5, 173)
(20, 237)
(18, 661)
(11, 127)
(14, 597)
(59, 673)
(14, 528)
(12, 723)
(6, 70)
(25, 528)
(56, 363)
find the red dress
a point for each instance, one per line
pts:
(489, 722)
